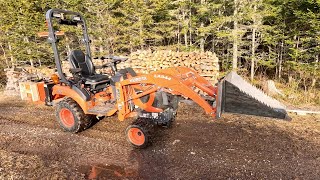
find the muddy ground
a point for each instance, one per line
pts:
(32, 146)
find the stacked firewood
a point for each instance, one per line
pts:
(66, 68)
(24, 74)
(205, 63)
(14, 76)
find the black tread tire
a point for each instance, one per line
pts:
(174, 104)
(146, 127)
(82, 121)
(169, 124)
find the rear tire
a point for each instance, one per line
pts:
(139, 133)
(71, 117)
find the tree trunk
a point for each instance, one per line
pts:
(277, 62)
(190, 23)
(314, 79)
(235, 37)
(202, 39)
(186, 31)
(101, 50)
(141, 33)
(68, 46)
(186, 39)
(5, 56)
(178, 36)
(297, 38)
(131, 48)
(253, 53)
(280, 60)
(290, 78)
(26, 39)
(11, 56)
(213, 45)
(253, 48)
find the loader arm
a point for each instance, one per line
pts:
(177, 81)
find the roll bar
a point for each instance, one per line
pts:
(52, 38)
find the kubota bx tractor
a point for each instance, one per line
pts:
(152, 99)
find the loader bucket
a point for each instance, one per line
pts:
(238, 96)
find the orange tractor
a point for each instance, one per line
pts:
(152, 99)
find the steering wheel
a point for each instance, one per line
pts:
(115, 59)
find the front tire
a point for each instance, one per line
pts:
(139, 133)
(71, 117)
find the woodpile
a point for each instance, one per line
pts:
(23, 74)
(14, 76)
(205, 63)
(65, 68)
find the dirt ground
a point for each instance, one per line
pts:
(32, 146)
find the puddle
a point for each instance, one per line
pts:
(108, 171)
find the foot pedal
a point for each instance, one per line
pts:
(101, 110)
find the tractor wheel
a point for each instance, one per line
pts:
(71, 117)
(174, 103)
(139, 133)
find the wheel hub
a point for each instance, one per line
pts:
(136, 136)
(66, 117)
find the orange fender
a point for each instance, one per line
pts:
(68, 92)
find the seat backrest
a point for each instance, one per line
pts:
(78, 59)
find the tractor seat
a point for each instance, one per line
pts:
(78, 59)
(97, 78)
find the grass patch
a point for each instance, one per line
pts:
(293, 93)
(297, 96)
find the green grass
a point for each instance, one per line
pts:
(301, 97)
(293, 93)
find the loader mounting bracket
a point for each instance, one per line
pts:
(159, 118)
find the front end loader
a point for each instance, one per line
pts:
(151, 99)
